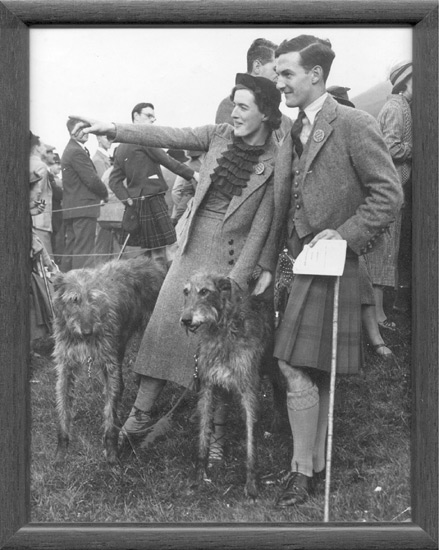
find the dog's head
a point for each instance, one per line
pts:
(80, 305)
(204, 298)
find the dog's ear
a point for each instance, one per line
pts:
(224, 285)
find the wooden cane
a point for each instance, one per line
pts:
(331, 397)
(123, 246)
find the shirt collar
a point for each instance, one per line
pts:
(314, 108)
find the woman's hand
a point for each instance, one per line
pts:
(263, 282)
(86, 125)
(328, 234)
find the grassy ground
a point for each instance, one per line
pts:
(370, 470)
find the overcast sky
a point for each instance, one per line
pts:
(184, 72)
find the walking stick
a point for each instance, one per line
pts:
(46, 286)
(123, 246)
(331, 397)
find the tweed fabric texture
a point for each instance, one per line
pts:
(166, 351)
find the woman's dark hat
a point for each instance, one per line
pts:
(266, 86)
(340, 93)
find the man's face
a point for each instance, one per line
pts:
(47, 155)
(247, 118)
(104, 142)
(294, 81)
(146, 116)
(268, 70)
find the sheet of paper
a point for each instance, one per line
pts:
(326, 257)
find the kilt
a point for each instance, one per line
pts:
(304, 337)
(156, 227)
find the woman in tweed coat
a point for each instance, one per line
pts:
(224, 228)
(395, 120)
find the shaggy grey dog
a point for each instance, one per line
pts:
(235, 332)
(96, 312)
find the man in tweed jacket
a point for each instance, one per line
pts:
(336, 181)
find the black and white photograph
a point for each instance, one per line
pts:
(183, 367)
(218, 292)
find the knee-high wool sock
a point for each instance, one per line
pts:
(303, 414)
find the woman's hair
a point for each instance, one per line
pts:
(313, 51)
(267, 96)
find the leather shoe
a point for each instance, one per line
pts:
(296, 490)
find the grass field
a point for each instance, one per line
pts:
(370, 466)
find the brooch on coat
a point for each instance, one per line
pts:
(259, 168)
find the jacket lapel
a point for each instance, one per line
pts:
(321, 131)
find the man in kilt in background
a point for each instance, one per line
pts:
(146, 187)
(334, 179)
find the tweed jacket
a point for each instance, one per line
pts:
(140, 166)
(346, 178)
(248, 218)
(102, 162)
(395, 120)
(82, 186)
(42, 221)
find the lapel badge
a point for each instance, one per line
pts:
(259, 168)
(319, 135)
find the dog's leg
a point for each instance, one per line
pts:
(250, 405)
(113, 394)
(205, 414)
(65, 387)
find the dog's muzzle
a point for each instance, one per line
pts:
(186, 321)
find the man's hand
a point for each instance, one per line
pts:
(263, 282)
(87, 125)
(328, 234)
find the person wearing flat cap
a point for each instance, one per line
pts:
(390, 263)
(223, 229)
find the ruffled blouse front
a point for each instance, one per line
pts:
(231, 175)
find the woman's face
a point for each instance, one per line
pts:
(248, 119)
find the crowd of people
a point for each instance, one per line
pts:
(256, 183)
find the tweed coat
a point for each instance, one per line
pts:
(42, 221)
(102, 162)
(347, 180)
(248, 217)
(229, 244)
(82, 186)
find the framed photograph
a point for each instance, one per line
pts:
(16, 528)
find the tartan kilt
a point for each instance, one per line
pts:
(304, 337)
(156, 228)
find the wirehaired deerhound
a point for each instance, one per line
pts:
(96, 312)
(235, 337)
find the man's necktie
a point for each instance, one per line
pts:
(296, 130)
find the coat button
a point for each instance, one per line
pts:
(297, 206)
(231, 262)
(231, 252)
(231, 241)
(296, 195)
(296, 183)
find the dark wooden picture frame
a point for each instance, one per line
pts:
(15, 530)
